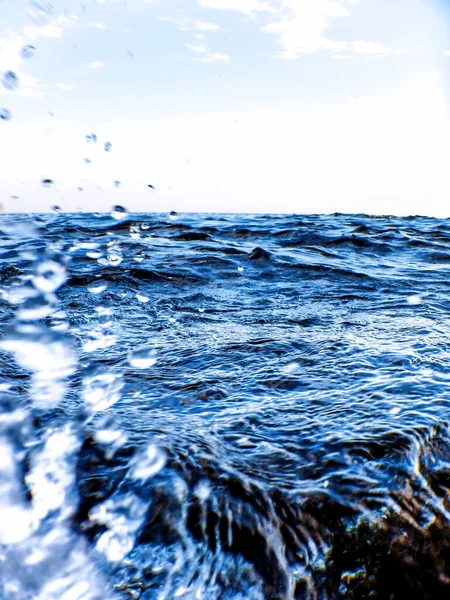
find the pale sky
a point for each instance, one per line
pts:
(299, 106)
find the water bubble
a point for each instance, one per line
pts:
(147, 463)
(91, 139)
(5, 114)
(28, 51)
(10, 81)
(107, 146)
(97, 287)
(47, 182)
(50, 275)
(142, 358)
(414, 300)
(101, 390)
(119, 213)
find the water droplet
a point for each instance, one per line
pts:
(113, 256)
(109, 435)
(91, 139)
(47, 354)
(291, 367)
(149, 185)
(36, 308)
(40, 12)
(203, 490)
(56, 209)
(135, 233)
(10, 81)
(173, 216)
(28, 51)
(107, 146)
(101, 390)
(5, 114)
(50, 478)
(47, 182)
(87, 161)
(117, 183)
(142, 358)
(80, 189)
(414, 300)
(50, 275)
(142, 298)
(148, 463)
(98, 339)
(119, 213)
(122, 518)
(97, 287)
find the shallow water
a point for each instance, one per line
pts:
(224, 407)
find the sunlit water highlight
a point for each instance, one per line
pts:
(224, 407)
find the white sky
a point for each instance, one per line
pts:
(228, 105)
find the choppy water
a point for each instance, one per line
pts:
(224, 407)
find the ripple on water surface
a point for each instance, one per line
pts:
(227, 407)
